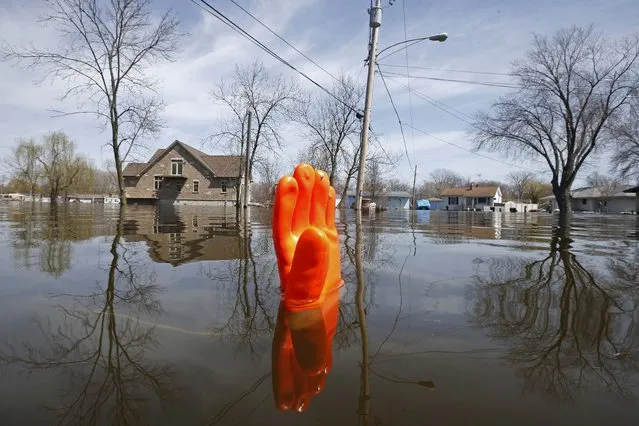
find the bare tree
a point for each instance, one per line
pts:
(267, 97)
(607, 186)
(24, 162)
(395, 184)
(104, 54)
(61, 164)
(444, 178)
(519, 182)
(626, 135)
(573, 87)
(269, 173)
(329, 122)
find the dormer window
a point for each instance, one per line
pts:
(176, 167)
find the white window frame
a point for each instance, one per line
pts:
(196, 183)
(224, 187)
(455, 199)
(177, 162)
(157, 183)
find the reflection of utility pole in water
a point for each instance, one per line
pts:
(247, 171)
(363, 406)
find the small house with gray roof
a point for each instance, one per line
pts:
(181, 174)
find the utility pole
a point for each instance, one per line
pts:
(414, 179)
(375, 21)
(240, 176)
(247, 176)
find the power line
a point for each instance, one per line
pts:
(410, 101)
(228, 22)
(449, 70)
(438, 104)
(397, 114)
(473, 152)
(452, 80)
(284, 40)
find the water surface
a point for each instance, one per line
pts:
(171, 316)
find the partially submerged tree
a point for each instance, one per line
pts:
(330, 122)
(24, 163)
(61, 164)
(104, 56)
(626, 149)
(267, 96)
(573, 87)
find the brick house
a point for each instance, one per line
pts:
(181, 174)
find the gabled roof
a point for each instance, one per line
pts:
(132, 169)
(218, 165)
(475, 191)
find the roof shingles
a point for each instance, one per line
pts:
(220, 165)
(475, 191)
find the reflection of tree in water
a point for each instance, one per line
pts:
(569, 328)
(101, 349)
(49, 237)
(250, 290)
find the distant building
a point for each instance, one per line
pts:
(471, 197)
(635, 191)
(592, 199)
(387, 200)
(181, 174)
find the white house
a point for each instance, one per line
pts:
(592, 199)
(471, 197)
(635, 191)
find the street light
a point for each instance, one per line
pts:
(375, 23)
(442, 37)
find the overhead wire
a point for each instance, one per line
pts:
(284, 40)
(474, 152)
(450, 70)
(438, 104)
(401, 128)
(228, 22)
(452, 80)
(410, 101)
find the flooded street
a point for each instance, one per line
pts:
(171, 316)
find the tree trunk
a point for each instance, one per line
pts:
(342, 201)
(563, 203)
(118, 165)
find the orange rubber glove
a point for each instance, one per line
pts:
(305, 237)
(302, 352)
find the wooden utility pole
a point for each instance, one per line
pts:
(414, 179)
(247, 171)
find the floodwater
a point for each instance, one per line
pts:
(171, 317)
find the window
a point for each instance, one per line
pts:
(158, 183)
(453, 201)
(196, 186)
(224, 187)
(178, 186)
(176, 167)
(584, 202)
(482, 200)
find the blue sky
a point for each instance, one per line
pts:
(484, 36)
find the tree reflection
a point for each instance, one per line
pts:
(571, 327)
(99, 344)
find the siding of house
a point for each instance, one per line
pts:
(210, 188)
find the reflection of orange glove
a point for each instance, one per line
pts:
(305, 237)
(302, 352)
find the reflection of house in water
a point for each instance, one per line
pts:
(454, 226)
(183, 236)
